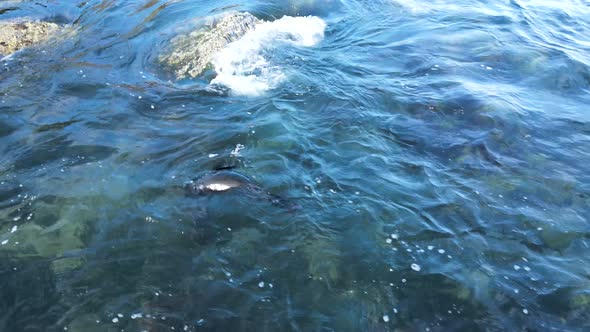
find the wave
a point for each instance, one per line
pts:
(242, 65)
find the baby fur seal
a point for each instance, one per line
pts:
(224, 180)
(221, 181)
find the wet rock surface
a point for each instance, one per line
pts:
(190, 54)
(17, 35)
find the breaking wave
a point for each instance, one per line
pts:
(243, 67)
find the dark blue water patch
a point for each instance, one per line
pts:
(32, 310)
(7, 128)
(59, 147)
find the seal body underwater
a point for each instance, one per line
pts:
(226, 180)
(219, 182)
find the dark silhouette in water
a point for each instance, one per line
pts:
(224, 179)
(221, 181)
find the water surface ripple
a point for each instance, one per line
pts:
(434, 156)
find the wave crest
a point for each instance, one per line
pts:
(241, 65)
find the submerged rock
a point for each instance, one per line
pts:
(17, 35)
(191, 54)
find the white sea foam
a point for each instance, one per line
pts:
(242, 66)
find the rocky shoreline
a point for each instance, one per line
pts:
(190, 54)
(16, 35)
(187, 55)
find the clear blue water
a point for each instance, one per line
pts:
(453, 135)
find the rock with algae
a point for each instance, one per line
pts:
(190, 54)
(15, 35)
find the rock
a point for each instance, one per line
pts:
(191, 54)
(17, 35)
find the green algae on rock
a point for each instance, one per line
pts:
(190, 54)
(15, 35)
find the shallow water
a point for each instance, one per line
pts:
(435, 155)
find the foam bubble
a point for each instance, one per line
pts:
(241, 65)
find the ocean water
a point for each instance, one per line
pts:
(433, 158)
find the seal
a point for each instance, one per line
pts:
(223, 180)
(220, 182)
